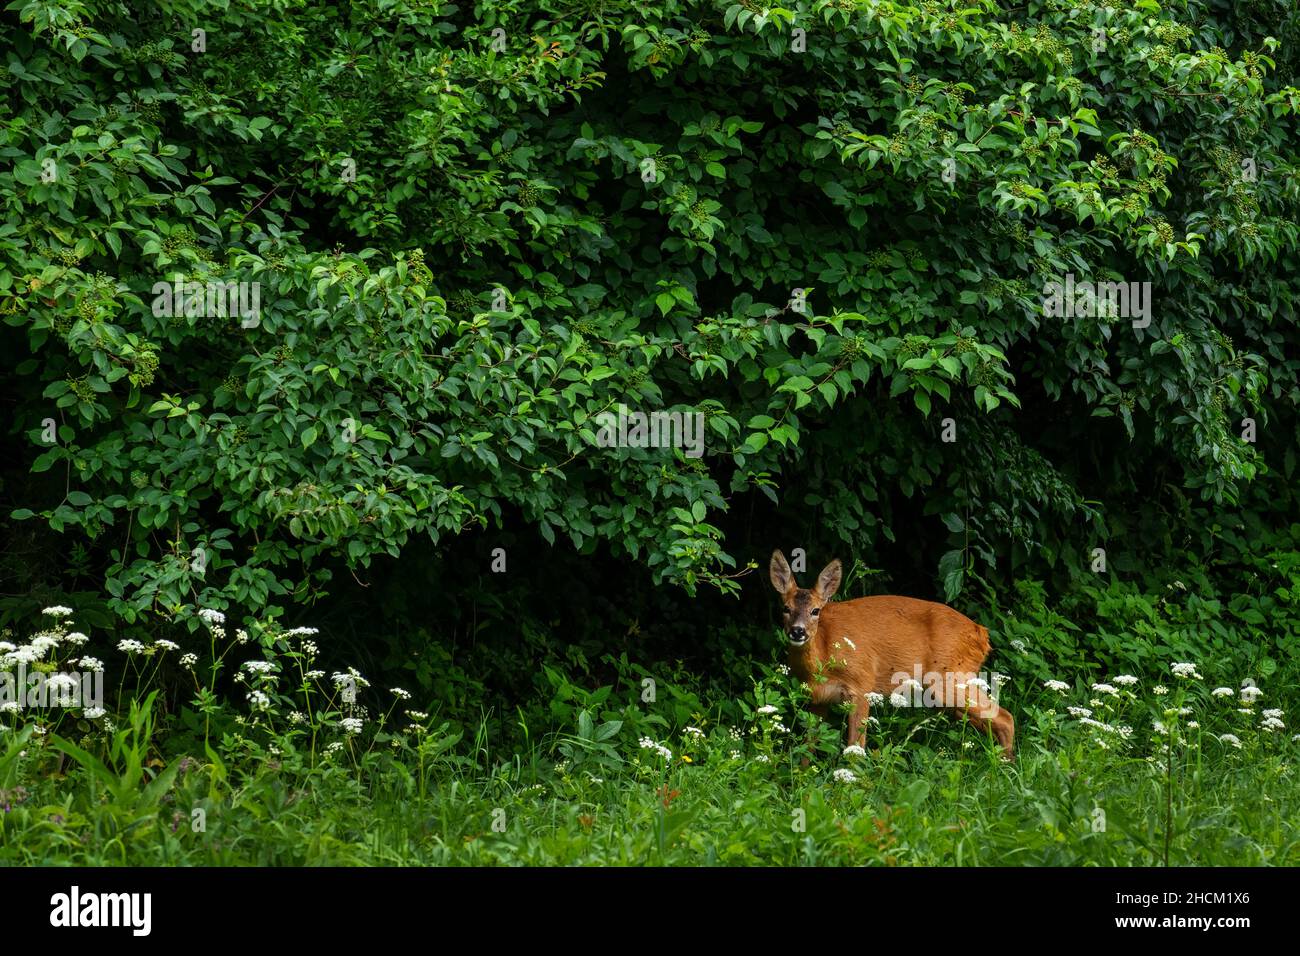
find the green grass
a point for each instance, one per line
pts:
(929, 791)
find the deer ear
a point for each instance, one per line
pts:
(779, 572)
(828, 582)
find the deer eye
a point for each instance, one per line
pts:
(816, 611)
(789, 610)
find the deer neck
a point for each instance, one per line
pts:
(805, 661)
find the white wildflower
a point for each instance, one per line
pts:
(1089, 722)
(352, 677)
(660, 749)
(61, 682)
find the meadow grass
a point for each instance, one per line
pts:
(1136, 774)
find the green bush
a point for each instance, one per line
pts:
(826, 228)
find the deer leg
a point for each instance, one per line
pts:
(857, 719)
(987, 717)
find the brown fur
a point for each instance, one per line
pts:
(856, 647)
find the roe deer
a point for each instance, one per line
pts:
(847, 650)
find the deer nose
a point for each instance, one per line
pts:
(798, 634)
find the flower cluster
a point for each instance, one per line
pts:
(658, 748)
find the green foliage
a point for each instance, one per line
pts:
(1154, 774)
(476, 228)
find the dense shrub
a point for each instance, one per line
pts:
(826, 228)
